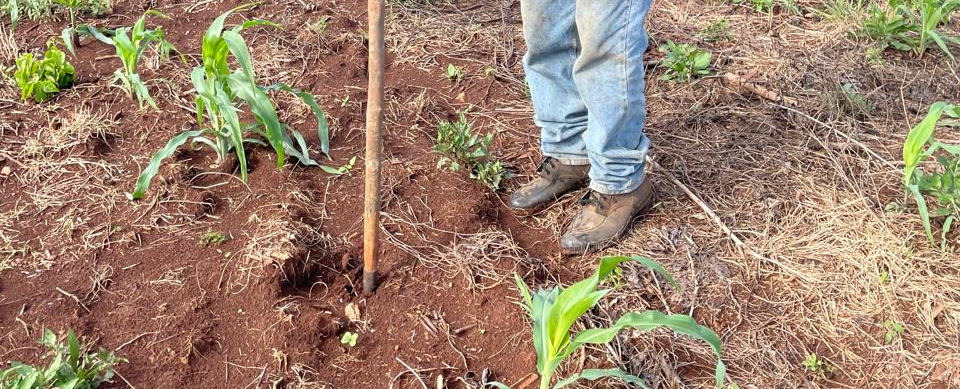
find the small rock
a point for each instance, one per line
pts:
(352, 311)
(6, 171)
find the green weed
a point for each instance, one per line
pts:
(71, 367)
(716, 31)
(222, 92)
(460, 147)
(554, 313)
(37, 9)
(884, 277)
(454, 73)
(855, 99)
(684, 62)
(894, 331)
(42, 78)
(212, 238)
(818, 365)
(130, 48)
(940, 185)
(340, 170)
(842, 10)
(912, 25)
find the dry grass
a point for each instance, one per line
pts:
(8, 47)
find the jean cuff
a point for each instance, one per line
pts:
(630, 186)
(569, 160)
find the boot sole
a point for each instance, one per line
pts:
(593, 248)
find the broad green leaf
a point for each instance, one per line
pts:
(143, 182)
(263, 109)
(917, 138)
(595, 374)
(648, 321)
(947, 224)
(323, 128)
(922, 209)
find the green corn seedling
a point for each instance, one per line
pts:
(222, 92)
(130, 44)
(941, 185)
(71, 367)
(70, 37)
(42, 78)
(554, 313)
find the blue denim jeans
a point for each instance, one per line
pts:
(584, 64)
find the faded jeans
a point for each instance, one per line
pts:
(584, 65)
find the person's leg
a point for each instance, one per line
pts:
(609, 76)
(549, 28)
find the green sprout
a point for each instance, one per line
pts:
(894, 331)
(349, 338)
(684, 62)
(554, 313)
(454, 73)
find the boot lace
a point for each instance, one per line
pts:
(596, 200)
(547, 167)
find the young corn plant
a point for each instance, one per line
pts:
(45, 77)
(70, 37)
(71, 367)
(913, 25)
(684, 62)
(554, 313)
(130, 44)
(941, 185)
(222, 92)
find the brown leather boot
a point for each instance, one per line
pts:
(555, 179)
(604, 219)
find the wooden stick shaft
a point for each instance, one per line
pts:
(371, 199)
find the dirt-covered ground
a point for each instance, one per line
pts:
(810, 183)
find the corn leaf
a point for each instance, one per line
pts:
(917, 138)
(323, 127)
(595, 374)
(922, 209)
(648, 321)
(143, 182)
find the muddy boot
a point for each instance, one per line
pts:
(604, 219)
(555, 179)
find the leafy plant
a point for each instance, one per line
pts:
(894, 331)
(454, 73)
(716, 31)
(36, 9)
(71, 367)
(460, 147)
(555, 311)
(349, 338)
(684, 62)
(212, 238)
(222, 92)
(340, 170)
(940, 185)
(913, 25)
(130, 49)
(857, 100)
(840, 10)
(45, 77)
(817, 365)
